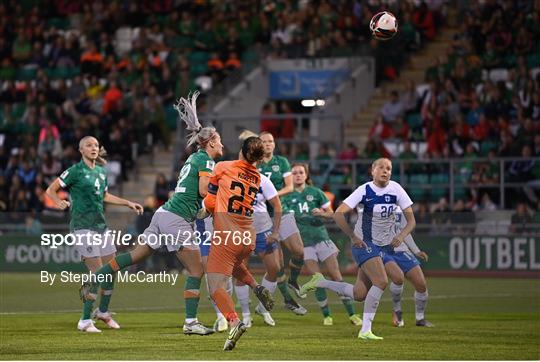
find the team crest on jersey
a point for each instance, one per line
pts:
(387, 198)
(275, 168)
(309, 198)
(102, 176)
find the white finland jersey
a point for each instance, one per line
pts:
(376, 211)
(261, 218)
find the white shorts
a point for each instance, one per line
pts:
(167, 228)
(320, 251)
(89, 245)
(287, 227)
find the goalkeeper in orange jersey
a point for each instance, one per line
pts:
(231, 194)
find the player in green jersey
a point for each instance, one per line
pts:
(172, 224)
(278, 170)
(310, 207)
(86, 182)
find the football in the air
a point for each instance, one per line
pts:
(383, 25)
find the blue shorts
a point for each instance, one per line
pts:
(405, 260)
(361, 255)
(205, 241)
(260, 243)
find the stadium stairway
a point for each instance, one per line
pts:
(141, 185)
(358, 128)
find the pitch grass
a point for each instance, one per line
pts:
(474, 319)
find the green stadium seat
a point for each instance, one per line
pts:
(26, 74)
(198, 69)
(416, 192)
(250, 57)
(59, 23)
(437, 192)
(198, 57)
(487, 146)
(7, 73)
(171, 116)
(18, 110)
(414, 120)
(460, 193)
(336, 179)
(318, 180)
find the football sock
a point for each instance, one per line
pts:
(420, 300)
(396, 291)
(191, 297)
(322, 301)
(370, 307)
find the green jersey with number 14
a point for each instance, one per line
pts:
(311, 227)
(186, 200)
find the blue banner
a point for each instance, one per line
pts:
(304, 84)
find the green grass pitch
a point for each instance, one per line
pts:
(474, 319)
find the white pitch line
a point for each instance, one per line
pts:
(163, 308)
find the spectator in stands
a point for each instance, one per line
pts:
(424, 22)
(380, 129)
(423, 217)
(442, 216)
(520, 220)
(349, 153)
(161, 189)
(50, 167)
(392, 108)
(521, 170)
(268, 124)
(409, 98)
(288, 124)
(463, 219)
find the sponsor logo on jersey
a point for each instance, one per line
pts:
(309, 198)
(275, 168)
(64, 174)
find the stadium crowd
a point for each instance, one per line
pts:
(480, 99)
(113, 70)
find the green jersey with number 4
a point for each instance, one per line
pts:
(276, 169)
(186, 200)
(311, 227)
(86, 187)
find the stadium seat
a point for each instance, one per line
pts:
(198, 57)
(437, 192)
(336, 179)
(26, 74)
(416, 192)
